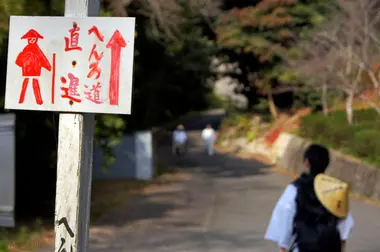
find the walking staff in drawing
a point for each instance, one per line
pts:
(32, 60)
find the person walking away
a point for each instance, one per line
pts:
(312, 214)
(179, 139)
(208, 136)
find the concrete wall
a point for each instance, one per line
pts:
(364, 179)
(137, 157)
(134, 159)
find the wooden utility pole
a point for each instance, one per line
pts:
(74, 168)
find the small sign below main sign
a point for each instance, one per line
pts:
(70, 64)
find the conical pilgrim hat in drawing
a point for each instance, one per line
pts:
(333, 194)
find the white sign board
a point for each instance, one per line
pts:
(70, 64)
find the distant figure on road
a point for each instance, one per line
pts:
(179, 139)
(312, 214)
(208, 135)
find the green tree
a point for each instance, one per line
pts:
(260, 38)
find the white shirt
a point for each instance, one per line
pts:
(179, 136)
(208, 134)
(281, 224)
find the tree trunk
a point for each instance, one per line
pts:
(324, 100)
(351, 96)
(272, 106)
(375, 82)
(349, 110)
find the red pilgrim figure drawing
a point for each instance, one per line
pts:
(115, 44)
(32, 60)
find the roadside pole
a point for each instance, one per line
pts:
(74, 167)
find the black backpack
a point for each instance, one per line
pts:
(314, 228)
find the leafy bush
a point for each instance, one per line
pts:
(236, 119)
(262, 107)
(3, 246)
(241, 125)
(366, 142)
(252, 135)
(216, 101)
(360, 139)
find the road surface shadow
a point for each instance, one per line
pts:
(178, 206)
(186, 240)
(161, 202)
(220, 165)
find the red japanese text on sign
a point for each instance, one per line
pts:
(94, 66)
(93, 93)
(95, 30)
(71, 92)
(72, 42)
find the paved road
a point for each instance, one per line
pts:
(214, 204)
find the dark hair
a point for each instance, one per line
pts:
(318, 157)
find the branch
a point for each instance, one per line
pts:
(370, 103)
(167, 16)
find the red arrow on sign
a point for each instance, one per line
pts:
(115, 44)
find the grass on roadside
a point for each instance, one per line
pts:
(107, 195)
(23, 238)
